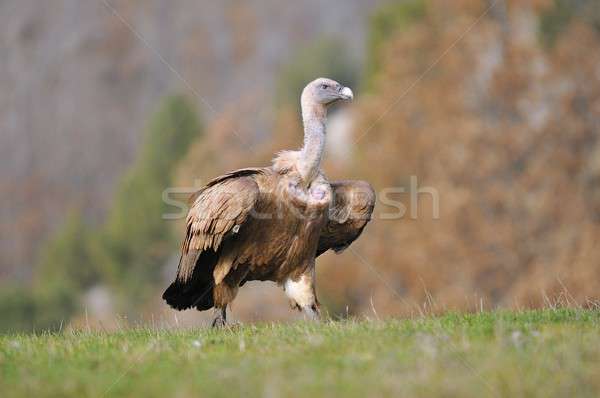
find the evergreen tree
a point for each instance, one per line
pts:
(326, 58)
(127, 252)
(136, 237)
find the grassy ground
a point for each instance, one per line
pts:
(550, 353)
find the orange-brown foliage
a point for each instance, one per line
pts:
(506, 131)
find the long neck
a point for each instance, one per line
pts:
(314, 142)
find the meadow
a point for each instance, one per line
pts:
(542, 353)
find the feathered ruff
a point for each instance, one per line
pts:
(286, 162)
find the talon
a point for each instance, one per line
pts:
(312, 312)
(220, 319)
(218, 322)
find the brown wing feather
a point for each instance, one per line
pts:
(223, 204)
(216, 210)
(352, 205)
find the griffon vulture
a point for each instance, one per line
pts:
(270, 223)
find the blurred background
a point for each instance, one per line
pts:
(105, 104)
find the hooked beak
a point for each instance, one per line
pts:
(346, 94)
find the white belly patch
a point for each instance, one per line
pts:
(300, 291)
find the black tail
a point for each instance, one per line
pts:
(184, 295)
(197, 291)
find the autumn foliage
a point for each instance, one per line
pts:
(473, 103)
(477, 123)
(506, 130)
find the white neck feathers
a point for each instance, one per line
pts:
(307, 160)
(313, 118)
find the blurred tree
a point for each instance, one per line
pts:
(136, 240)
(387, 21)
(17, 308)
(27, 310)
(556, 18)
(127, 252)
(65, 261)
(506, 136)
(326, 58)
(64, 272)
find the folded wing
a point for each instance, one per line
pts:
(351, 209)
(219, 212)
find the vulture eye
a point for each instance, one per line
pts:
(324, 86)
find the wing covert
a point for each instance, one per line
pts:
(350, 211)
(218, 210)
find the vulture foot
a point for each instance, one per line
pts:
(220, 318)
(312, 312)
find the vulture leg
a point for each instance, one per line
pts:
(302, 294)
(349, 213)
(220, 317)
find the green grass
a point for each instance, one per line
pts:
(549, 353)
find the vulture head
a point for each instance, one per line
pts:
(323, 92)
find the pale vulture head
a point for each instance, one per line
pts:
(325, 92)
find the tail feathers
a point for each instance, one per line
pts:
(184, 295)
(195, 290)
